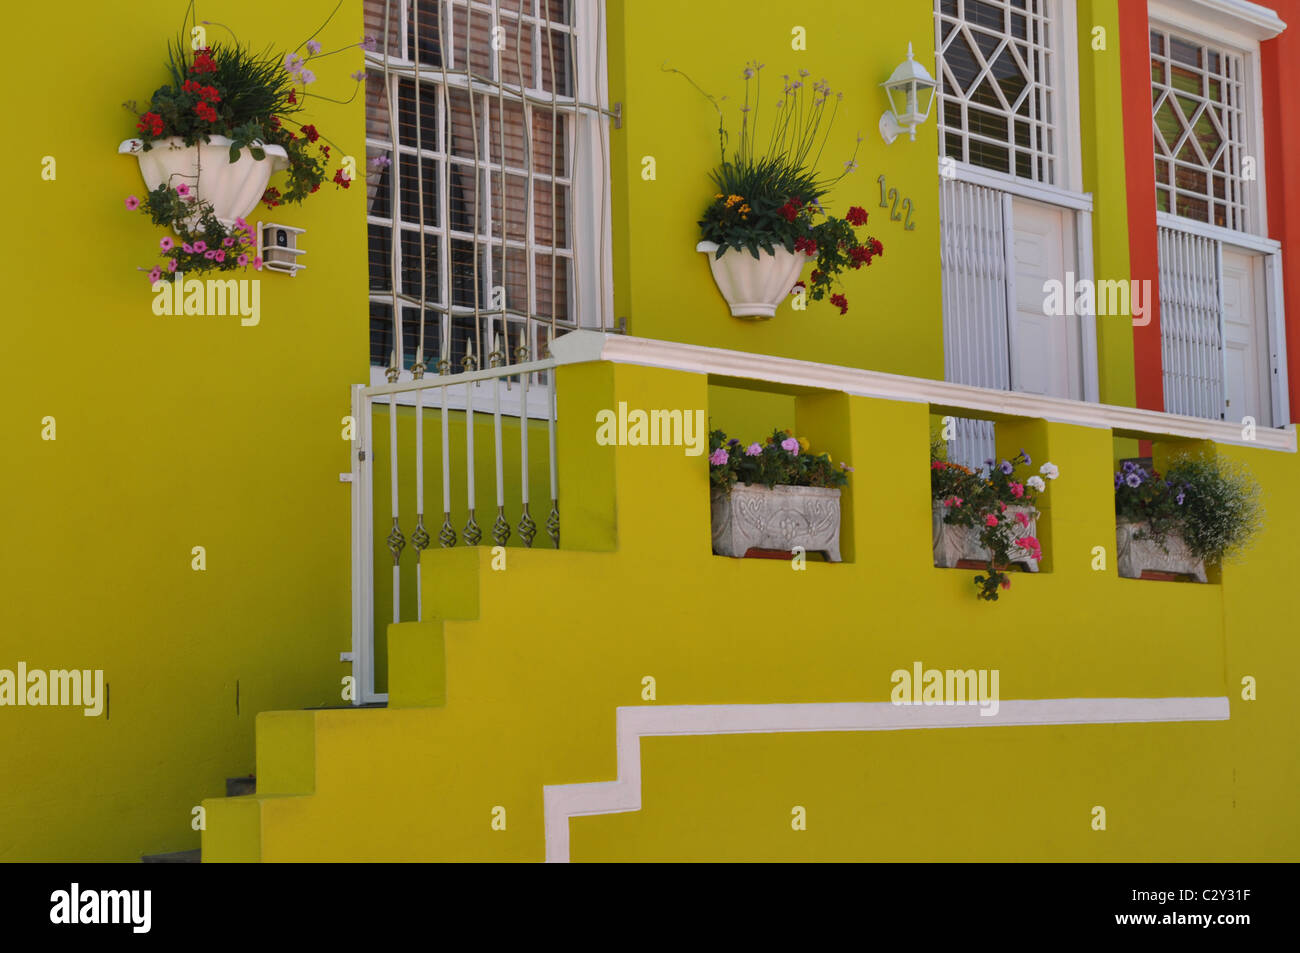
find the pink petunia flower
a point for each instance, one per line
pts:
(753, 450)
(132, 203)
(257, 262)
(209, 255)
(219, 255)
(990, 520)
(200, 245)
(227, 242)
(182, 189)
(187, 248)
(155, 274)
(171, 264)
(166, 243)
(241, 261)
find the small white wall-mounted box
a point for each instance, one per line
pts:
(278, 246)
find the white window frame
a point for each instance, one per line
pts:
(590, 200)
(1069, 166)
(1238, 27)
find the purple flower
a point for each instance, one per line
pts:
(307, 76)
(719, 457)
(1133, 480)
(1119, 478)
(313, 46)
(359, 76)
(1129, 466)
(1006, 467)
(790, 444)
(1180, 497)
(1028, 462)
(292, 62)
(753, 450)
(369, 43)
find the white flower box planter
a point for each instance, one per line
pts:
(233, 189)
(1136, 555)
(754, 517)
(753, 287)
(952, 544)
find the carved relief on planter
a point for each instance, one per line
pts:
(952, 544)
(754, 517)
(1136, 555)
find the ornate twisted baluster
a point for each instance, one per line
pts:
(553, 523)
(527, 528)
(473, 535)
(396, 541)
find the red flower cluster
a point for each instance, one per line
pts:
(205, 112)
(841, 302)
(311, 133)
(293, 97)
(790, 210)
(863, 254)
(209, 93)
(271, 197)
(203, 62)
(150, 123)
(341, 179)
(805, 245)
(857, 216)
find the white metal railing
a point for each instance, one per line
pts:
(480, 392)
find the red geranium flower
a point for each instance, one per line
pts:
(203, 62)
(150, 123)
(857, 216)
(790, 210)
(211, 94)
(293, 97)
(805, 245)
(840, 302)
(311, 133)
(341, 179)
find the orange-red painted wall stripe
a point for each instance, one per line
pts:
(1280, 77)
(1139, 158)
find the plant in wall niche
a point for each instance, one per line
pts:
(988, 517)
(767, 219)
(1202, 510)
(774, 495)
(213, 135)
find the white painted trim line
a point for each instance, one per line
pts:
(1227, 236)
(1022, 188)
(578, 347)
(563, 801)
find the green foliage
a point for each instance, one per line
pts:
(770, 463)
(1212, 504)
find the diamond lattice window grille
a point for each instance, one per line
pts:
(997, 102)
(1198, 108)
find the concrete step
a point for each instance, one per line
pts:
(177, 857)
(238, 787)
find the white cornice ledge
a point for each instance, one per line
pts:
(578, 347)
(1238, 16)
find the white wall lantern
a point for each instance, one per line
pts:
(910, 91)
(278, 246)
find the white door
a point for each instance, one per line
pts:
(1245, 338)
(1044, 347)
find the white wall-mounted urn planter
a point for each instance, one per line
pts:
(232, 188)
(754, 517)
(952, 543)
(1137, 554)
(753, 287)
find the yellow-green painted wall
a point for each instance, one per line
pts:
(662, 285)
(514, 680)
(172, 432)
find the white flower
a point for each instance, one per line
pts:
(1049, 470)
(1036, 483)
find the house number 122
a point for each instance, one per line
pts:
(889, 200)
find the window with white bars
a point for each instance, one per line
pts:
(998, 102)
(1198, 101)
(476, 125)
